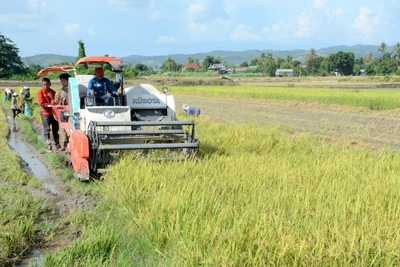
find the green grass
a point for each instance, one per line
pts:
(20, 225)
(259, 197)
(372, 99)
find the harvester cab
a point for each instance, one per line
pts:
(141, 118)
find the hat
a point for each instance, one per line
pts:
(15, 94)
(26, 88)
(98, 71)
(185, 107)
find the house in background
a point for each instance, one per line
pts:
(284, 72)
(240, 69)
(218, 67)
(193, 66)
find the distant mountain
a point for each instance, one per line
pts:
(232, 57)
(47, 59)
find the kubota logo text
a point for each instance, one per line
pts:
(140, 100)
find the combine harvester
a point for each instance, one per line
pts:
(141, 118)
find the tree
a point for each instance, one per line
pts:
(396, 52)
(81, 54)
(313, 62)
(254, 62)
(190, 60)
(10, 61)
(342, 62)
(368, 58)
(382, 48)
(208, 61)
(170, 65)
(288, 60)
(244, 64)
(386, 67)
(140, 67)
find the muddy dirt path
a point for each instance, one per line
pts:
(62, 197)
(356, 125)
(65, 197)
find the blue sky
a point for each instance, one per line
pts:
(162, 27)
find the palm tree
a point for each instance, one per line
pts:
(368, 58)
(396, 52)
(169, 64)
(190, 60)
(382, 48)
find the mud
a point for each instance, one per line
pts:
(65, 197)
(345, 124)
(59, 195)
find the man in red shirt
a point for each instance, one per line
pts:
(45, 97)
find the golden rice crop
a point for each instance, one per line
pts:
(259, 196)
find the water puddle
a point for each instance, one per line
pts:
(39, 170)
(34, 258)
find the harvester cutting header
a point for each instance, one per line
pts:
(103, 123)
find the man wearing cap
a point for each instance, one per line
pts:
(99, 86)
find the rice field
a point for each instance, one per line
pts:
(259, 196)
(373, 99)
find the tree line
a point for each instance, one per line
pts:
(340, 63)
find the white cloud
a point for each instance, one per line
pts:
(279, 31)
(244, 33)
(167, 40)
(131, 4)
(36, 6)
(91, 31)
(205, 11)
(216, 30)
(71, 28)
(319, 4)
(229, 6)
(197, 9)
(304, 25)
(365, 22)
(338, 12)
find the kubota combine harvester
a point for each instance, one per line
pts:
(141, 118)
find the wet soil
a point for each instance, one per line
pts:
(352, 125)
(65, 197)
(60, 195)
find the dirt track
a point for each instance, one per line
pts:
(61, 193)
(343, 124)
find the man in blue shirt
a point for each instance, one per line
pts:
(100, 86)
(191, 110)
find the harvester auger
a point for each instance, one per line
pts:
(140, 119)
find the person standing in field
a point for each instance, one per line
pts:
(191, 110)
(61, 98)
(45, 97)
(14, 105)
